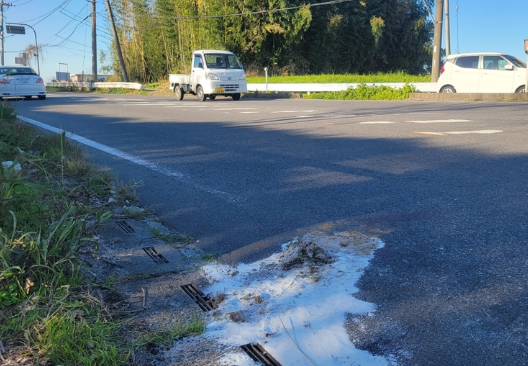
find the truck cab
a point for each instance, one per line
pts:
(213, 73)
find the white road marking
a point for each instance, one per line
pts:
(231, 109)
(442, 121)
(145, 163)
(376, 123)
(429, 133)
(477, 131)
(285, 112)
(249, 112)
(457, 132)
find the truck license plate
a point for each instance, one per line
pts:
(219, 90)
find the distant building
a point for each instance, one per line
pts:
(79, 78)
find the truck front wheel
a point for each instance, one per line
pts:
(236, 96)
(178, 92)
(200, 93)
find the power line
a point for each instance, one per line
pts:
(262, 11)
(48, 14)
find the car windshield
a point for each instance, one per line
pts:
(515, 61)
(222, 61)
(17, 71)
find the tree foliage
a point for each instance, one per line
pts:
(287, 36)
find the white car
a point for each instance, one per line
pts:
(21, 81)
(482, 73)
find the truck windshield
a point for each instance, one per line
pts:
(222, 61)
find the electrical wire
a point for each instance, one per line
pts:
(48, 14)
(428, 10)
(262, 11)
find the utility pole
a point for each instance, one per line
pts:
(437, 41)
(447, 30)
(94, 43)
(116, 38)
(2, 4)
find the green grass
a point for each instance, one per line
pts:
(49, 210)
(120, 91)
(365, 92)
(171, 238)
(397, 77)
(195, 325)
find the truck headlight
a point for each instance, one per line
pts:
(242, 77)
(212, 76)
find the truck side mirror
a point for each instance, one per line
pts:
(200, 65)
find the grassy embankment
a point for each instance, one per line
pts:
(365, 92)
(397, 77)
(51, 202)
(361, 92)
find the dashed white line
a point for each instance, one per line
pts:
(476, 131)
(441, 121)
(376, 123)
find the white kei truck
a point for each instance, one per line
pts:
(213, 73)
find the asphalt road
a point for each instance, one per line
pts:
(442, 184)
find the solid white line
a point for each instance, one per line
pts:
(442, 121)
(123, 155)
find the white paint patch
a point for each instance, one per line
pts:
(296, 313)
(376, 123)
(285, 112)
(145, 163)
(442, 121)
(249, 112)
(477, 131)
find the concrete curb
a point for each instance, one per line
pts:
(271, 95)
(469, 97)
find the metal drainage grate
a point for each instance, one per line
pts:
(125, 226)
(194, 293)
(259, 354)
(152, 253)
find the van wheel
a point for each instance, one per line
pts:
(520, 89)
(200, 93)
(178, 92)
(448, 89)
(41, 97)
(236, 96)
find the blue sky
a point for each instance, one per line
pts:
(63, 28)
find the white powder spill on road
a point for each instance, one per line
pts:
(294, 303)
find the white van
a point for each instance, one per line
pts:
(482, 73)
